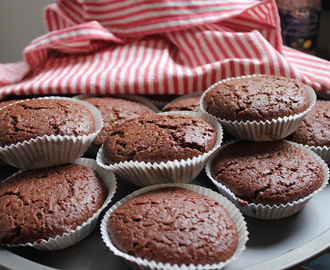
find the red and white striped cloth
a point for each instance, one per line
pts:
(156, 47)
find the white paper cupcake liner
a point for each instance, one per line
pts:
(177, 171)
(138, 263)
(275, 129)
(261, 211)
(51, 150)
(82, 231)
(323, 152)
(196, 94)
(93, 149)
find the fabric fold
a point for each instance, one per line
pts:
(168, 47)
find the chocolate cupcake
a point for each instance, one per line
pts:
(157, 138)
(42, 205)
(186, 103)
(270, 175)
(259, 107)
(314, 130)
(155, 226)
(34, 118)
(47, 131)
(167, 147)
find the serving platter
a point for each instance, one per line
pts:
(273, 244)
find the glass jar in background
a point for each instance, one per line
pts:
(300, 23)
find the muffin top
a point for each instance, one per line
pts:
(174, 225)
(42, 203)
(7, 102)
(116, 111)
(156, 138)
(38, 117)
(267, 172)
(314, 130)
(257, 98)
(185, 104)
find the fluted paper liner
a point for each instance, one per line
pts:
(93, 149)
(51, 150)
(267, 211)
(177, 171)
(322, 151)
(275, 129)
(145, 264)
(83, 230)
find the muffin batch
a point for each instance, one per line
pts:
(263, 141)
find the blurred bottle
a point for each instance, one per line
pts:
(300, 23)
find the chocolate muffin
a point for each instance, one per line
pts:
(258, 98)
(38, 117)
(174, 225)
(7, 102)
(116, 111)
(185, 104)
(267, 173)
(42, 203)
(156, 138)
(314, 129)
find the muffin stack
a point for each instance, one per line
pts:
(265, 175)
(167, 223)
(55, 200)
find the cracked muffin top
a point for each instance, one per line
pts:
(257, 98)
(314, 129)
(116, 111)
(185, 104)
(156, 138)
(38, 117)
(174, 225)
(42, 203)
(267, 172)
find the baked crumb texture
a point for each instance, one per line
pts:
(185, 104)
(38, 117)
(156, 138)
(256, 98)
(174, 225)
(267, 172)
(314, 129)
(42, 203)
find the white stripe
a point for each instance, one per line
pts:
(113, 55)
(161, 72)
(114, 71)
(103, 59)
(46, 40)
(90, 71)
(196, 53)
(235, 45)
(83, 67)
(164, 25)
(123, 78)
(152, 66)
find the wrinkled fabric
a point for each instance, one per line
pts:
(163, 47)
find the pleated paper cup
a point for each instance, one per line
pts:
(51, 150)
(93, 149)
(269, 130)
(138, 263)
(261, 211)
(82, 231)
(177, 171)
(322, 151)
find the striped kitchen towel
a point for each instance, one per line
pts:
(156, 47)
